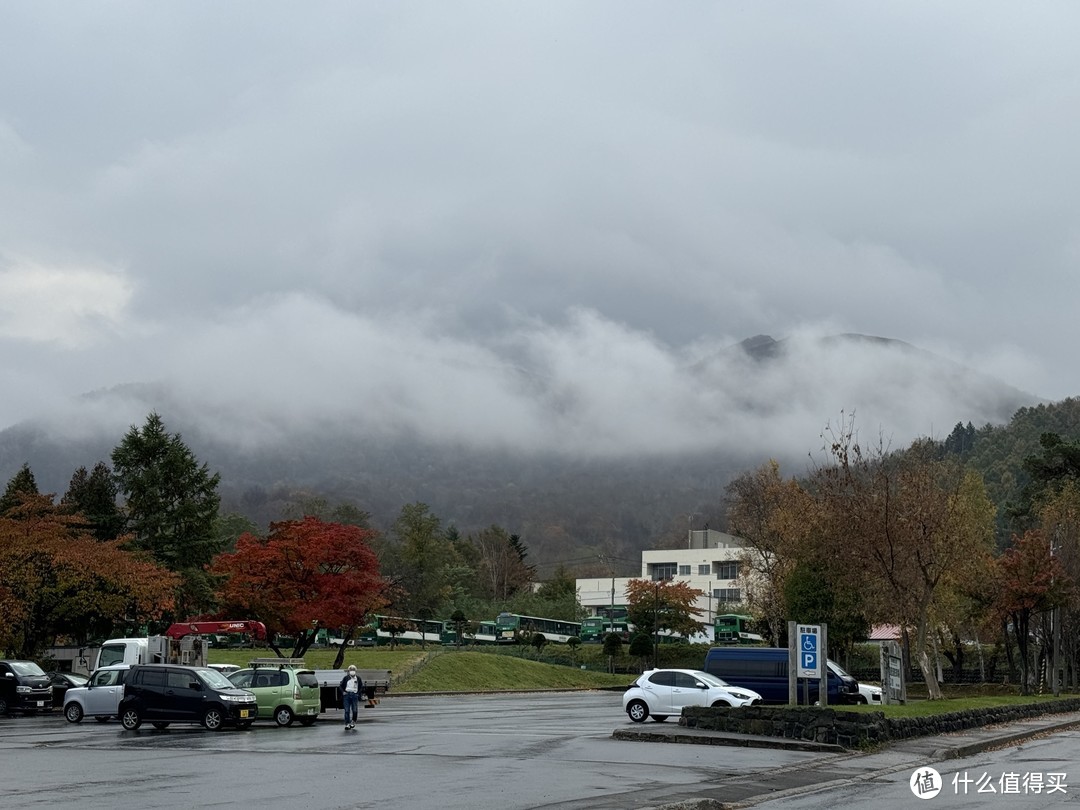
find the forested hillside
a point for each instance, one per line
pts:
(998, 452)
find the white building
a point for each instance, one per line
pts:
(710, 563)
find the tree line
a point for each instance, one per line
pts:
(909, 537)
(134, 546)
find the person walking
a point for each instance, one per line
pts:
(351, 686)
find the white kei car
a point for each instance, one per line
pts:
(663, 692)
(99, 698)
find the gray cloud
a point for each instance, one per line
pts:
(523, 223)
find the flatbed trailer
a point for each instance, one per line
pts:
(376, 682)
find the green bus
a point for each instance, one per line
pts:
(412, 631)
(735, 628)
(595, 629)
(509, 626)
(477, 633)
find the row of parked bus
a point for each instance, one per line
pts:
(506, 628)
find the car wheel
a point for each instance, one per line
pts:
(243, 724)
(73, 712)
(3, 705)
(213, 719)
(102, 719)
(131, 719)
(160, 725)
(860, 700)
(659, 718)
(721, 704)
(283, 716)
(307, 721)
(638, 711)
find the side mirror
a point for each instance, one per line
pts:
(195, 685)
(700, 685)
(9, 674)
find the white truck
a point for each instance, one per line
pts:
(182, 643)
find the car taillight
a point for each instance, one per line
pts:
(296, 692)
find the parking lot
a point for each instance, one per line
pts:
(476, 751)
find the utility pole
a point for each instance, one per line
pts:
(1055, 628)
(611, 570)
(611, 616)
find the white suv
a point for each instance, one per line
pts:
(99, 698)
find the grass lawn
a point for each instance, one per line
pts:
(467, 671)
(957, 702)
(396, 661)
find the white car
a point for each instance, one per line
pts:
(99, 698)
(869, 694)
(663, 692)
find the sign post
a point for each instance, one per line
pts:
(810, 657)
(893, 686)
(793, 650)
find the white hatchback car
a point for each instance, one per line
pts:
(663, 692)
(99, 698)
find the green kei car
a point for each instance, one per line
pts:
(282, 691)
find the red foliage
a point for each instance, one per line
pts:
(306, 573)
(1032, 578)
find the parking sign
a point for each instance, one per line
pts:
(809, 650)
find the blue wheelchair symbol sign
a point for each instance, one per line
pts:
(809, 652)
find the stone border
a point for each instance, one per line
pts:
(856, 729)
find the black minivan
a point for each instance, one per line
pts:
(24, 687)
(162, 694)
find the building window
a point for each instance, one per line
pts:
(664, 570)
(727, 594)
(728, 570)
(684, 570)
(704, 570)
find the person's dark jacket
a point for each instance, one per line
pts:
(359, 685)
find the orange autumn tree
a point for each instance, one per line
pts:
(306, 575)
(57, 580)
(666, 606)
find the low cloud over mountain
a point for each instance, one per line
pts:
(591, 421)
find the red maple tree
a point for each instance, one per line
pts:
(305, 575)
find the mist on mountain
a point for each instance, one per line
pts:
(591, 443)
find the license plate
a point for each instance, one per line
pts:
(243, 712)
(311, 711)
(41, 704)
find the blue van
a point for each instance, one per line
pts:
(765, 670)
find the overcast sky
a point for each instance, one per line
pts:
(474, 217)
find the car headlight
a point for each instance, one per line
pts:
(23, 690)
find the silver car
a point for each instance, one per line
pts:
(99, 698)
(664, 692)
